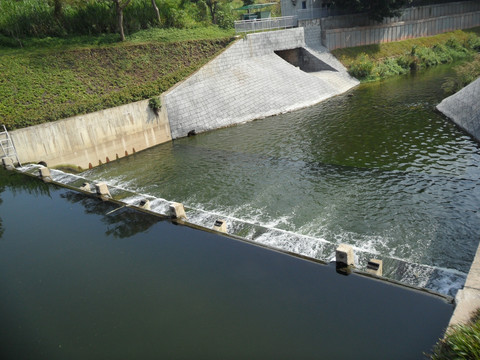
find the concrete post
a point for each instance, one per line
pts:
(44, 173)
(144, 204)
(8, 163)
(344, 255)
(177, 211)
(86, 187)
(220, 226)
(102, 190)
(375, 267)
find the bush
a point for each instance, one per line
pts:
(362, 67)
(389, 67)
(155, 104)
(465, 74)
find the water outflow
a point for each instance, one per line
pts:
(377, 168)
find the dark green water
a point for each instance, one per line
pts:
(76, 283)
(377, 168)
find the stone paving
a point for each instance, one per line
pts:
(249, 81)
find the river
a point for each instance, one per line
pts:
(377, 168)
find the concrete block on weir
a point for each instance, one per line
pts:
(344, 255)
(8, 163)
(220, 226)
(86, 187)
(177, 211)
(375, 267)
(144, 204)
(102, 190)
(44, 173)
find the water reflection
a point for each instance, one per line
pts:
(122, 223)
(15, 182)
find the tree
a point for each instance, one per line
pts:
(376, 9)
(119, 7)
(157, 12)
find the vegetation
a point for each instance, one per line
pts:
(155, 104)
(462, 342)
(375, 9)
(51, 80)
(373, 62)
(20, 19)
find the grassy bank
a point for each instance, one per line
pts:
(374, 62)
(51, 78)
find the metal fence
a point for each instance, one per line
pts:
(283, 22)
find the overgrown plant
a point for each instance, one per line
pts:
(155, 104)
(462, 342)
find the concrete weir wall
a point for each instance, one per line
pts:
(249, 81)
(95, 138)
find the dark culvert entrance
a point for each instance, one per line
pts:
(303, 59)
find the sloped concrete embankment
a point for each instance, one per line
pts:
(249, 81)
(463, 108)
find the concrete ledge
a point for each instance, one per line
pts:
(468, 299)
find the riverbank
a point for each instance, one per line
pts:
(52, 79)
(376, 62)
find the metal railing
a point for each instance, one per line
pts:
(283, 22)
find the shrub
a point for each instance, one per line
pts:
(362, 67)
(389, 67)
(155, 104)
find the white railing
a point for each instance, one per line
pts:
(283, 22)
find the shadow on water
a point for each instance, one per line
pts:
(121, 223)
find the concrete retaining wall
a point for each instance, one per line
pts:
(355, 30)
(408, 14)
(95, 138)
(349, 37)
(246, 82)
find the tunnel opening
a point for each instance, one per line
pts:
(304, 60)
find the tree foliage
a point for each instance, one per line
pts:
(376, 9)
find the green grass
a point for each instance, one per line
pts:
(374, 62)
(462, 342)
(51, 78)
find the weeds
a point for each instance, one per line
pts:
(365, 63)
(461, 342)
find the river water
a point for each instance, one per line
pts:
(377, 168)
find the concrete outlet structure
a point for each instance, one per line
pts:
(375, 267)
(102, 190)
(144, 204)
(44, 173)
(177, 211)
(220, 226)
(86, 187)
(344, 255)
